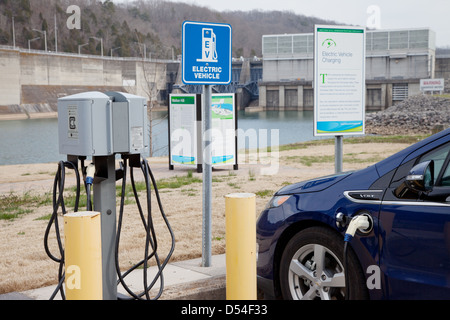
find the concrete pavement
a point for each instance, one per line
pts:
(183, 280)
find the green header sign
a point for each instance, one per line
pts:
(182, 100)
(340, 30)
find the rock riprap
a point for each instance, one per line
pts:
(420, 114)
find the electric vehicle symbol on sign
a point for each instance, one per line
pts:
(324, 238)
(209, 51)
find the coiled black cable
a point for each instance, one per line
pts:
(151, 239)
(58, 201)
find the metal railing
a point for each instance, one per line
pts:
(87, 56)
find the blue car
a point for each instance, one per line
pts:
(399, 250)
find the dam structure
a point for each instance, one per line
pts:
(33, 80)
(282, 79)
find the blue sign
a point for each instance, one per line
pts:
(206, 53)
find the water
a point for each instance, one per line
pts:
(36, 141)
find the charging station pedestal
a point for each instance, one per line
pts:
(105, 203)
(101, 125)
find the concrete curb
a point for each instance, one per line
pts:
(184, 280)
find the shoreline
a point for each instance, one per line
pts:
(28, 116)
(45, 115)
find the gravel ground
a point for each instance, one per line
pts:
(419, 114)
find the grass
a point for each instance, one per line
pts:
(177, 182)
(354, 140)
(348, 158)
(264, 193)
(13, 205)
(309, 160)
(233, 185)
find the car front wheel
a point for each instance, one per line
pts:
(311, 267)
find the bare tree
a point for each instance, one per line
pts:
(150, 87)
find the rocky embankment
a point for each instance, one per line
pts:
(419, 114)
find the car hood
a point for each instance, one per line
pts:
(313, 185)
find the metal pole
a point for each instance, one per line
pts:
(45, 36)
(105, 203)
(29, 42)
(101, 43)
(14, 33)
(338, 159)
(56, 35)
(207, 177)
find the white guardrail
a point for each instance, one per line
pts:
(90, 56)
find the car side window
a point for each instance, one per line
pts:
(439, 156)
(445, 180)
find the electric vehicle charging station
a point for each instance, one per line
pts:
(101, 126)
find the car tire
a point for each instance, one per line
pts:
(311, 267)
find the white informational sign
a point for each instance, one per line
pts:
(432, 85)
(183, 129)
(224, 128)
(339, 80)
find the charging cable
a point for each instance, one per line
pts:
(90, 172)
(58, 201)
(359, 223)
(151, 243)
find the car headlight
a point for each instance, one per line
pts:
(277, 201)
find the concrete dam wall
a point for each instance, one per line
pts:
(32, 81)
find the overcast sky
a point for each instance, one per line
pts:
(393, 14)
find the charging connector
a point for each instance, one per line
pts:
(90, 172)
(359, 223)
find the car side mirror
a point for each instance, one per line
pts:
(421, 177)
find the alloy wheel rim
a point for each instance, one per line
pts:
(316, 273)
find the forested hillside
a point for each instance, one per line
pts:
(127, 27)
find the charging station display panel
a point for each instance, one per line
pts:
(223, 111)
(183, 129)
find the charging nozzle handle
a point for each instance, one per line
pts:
(360, 222)
(90, 172)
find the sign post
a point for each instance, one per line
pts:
(339, 83)
(206, 61)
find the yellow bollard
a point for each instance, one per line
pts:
(83, 256)
(240, 233)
